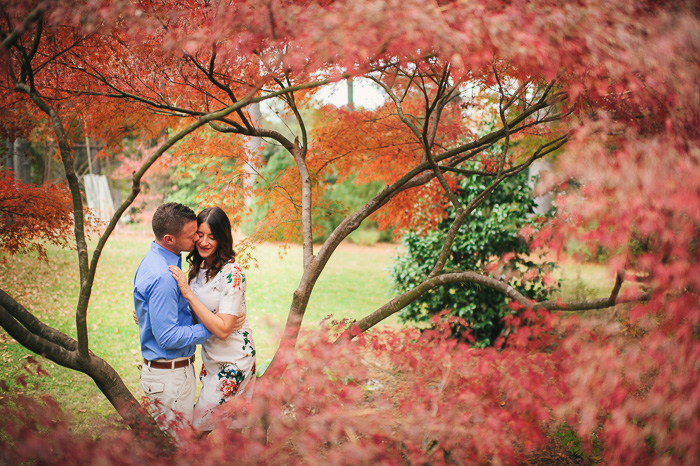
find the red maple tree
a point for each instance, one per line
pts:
(472, 87)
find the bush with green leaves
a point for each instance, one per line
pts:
(491, 231)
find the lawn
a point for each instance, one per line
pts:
(354, 283)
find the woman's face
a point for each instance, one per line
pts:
(207, 245)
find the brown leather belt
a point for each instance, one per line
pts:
(169, 364)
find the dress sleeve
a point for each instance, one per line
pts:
(232, 288)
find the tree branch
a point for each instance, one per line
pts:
(27, 320)
(210, 75)
(37, 344)
(504, 288)
(14, 36)
(63, 350)
(65, 152)
(399, 108)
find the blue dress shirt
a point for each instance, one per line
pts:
(165, 322)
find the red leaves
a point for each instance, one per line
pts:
(629, 186)
(397, 396)
(32, 214)
(36, 431)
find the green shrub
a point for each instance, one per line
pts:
(576, 447)
(491, 231)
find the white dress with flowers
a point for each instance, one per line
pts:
(228, 365)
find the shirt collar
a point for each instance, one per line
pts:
(169, 256)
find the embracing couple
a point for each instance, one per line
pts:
(176, 312)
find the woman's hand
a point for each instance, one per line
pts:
(181, 280)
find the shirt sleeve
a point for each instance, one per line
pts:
(233, 285)
(164, 313)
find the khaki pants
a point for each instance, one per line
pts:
(171, 395)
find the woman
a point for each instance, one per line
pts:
(216, 294)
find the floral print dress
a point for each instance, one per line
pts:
(228, 365)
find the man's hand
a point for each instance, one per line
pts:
(136, 319)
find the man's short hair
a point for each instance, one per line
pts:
(170, 218)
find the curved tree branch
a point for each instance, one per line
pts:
(504, 288)
(63, 350)
(35, 326)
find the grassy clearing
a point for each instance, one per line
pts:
(354, 283)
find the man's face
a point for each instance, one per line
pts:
(185, 241)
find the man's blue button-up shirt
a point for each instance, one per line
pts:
(165, 323)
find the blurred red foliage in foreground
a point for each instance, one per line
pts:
(410, 397)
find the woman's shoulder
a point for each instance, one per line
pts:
(233, 275)
(232, 267)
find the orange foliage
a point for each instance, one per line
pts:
(31, 215)
(377, 146)
(210, 153)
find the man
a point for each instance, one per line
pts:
(168, 335)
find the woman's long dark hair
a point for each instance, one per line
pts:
(220, 227)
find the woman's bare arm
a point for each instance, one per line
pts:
(221, 325)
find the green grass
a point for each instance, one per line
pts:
(583, 281)
(354, 283)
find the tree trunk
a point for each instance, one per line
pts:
(22, 161)
(254, 143)
(47, 162)
(351, 94)
(9, 158)
(134, 415)
(58, 347)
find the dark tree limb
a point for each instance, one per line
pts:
(38, 344)
(33, 325)
(14, 36)
(55, 346)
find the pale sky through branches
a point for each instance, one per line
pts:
(366, 94)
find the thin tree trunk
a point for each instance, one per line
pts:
(47, 162)
(9, 159)
(351, 94)
(22, 161)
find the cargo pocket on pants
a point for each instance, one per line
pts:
(152, 387)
